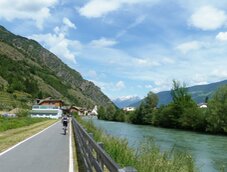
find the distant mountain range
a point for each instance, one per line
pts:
(126, 101)
(198, 93)
(28, 71)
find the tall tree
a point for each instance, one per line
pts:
(180, 93)
(183, 106)
(144, 113)
(217, 115)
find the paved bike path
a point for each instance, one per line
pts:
(46, 152)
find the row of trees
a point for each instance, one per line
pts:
(182, 112)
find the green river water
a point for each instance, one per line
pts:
(208, 151)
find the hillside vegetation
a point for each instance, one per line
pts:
(182, 113)
(199, 93)
(28, 71)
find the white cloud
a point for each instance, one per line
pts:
(137, 21)
(92, 74)
(68, 23)
(149, 86)
(189, 46)
(129, 97)
(145, 62)
(208, 18)
(37, 10)
(57, 43)
(102, 42)
(99, 8)
(220, 73)
(110, 86)
(120, 85)
(222, 36)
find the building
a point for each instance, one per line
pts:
(202, 105)
(46, 111)
(79, 110)
(49, 102)
(93, 112)
(129, 109)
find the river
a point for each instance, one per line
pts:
(209, 151)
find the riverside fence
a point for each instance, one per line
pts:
(93, 156)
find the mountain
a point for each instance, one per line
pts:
(198, 93)
(126, 101)
(28, 71)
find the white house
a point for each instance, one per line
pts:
(129, 109)
(202, 105)
(46, 111)
(94, 111)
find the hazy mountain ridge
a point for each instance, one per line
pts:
(198, 93)
(51, 76)
(126, 101)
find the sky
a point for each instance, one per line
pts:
(128, 47)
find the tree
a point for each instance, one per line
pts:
(181, 112)
(144, 113)
(101, 112)
(180, 94)
(119, 115)
(110, 112)
(217, 111)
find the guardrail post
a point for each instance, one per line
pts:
(93, 154)
(99, 157)
(91, 135)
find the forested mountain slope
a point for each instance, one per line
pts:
(28, 71)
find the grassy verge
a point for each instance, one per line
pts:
(11, 137)
(147, 158)
(75, 160)
(11, 123)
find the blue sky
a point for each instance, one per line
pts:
(128, 47)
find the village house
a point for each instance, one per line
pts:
(79, 110)
(47, 108)
(202, 105)
(129, 109)
(57, 103)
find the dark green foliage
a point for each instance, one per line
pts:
(101, 113)
(217, 113)
(143, 114)
(182, 112)
(17, 75)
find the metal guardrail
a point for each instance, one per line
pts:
(94, 158)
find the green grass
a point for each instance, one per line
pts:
(147, 158)
(11, 123)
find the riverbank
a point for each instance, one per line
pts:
(146, 158)
(208, 151)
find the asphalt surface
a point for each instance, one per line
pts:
(46, 152)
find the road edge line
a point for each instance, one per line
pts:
(23, 141)
(70, 149)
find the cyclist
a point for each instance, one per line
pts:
(65, 121)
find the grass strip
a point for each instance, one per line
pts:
(147, 158)
(11, 137)
(75, 160)
(11, 123)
